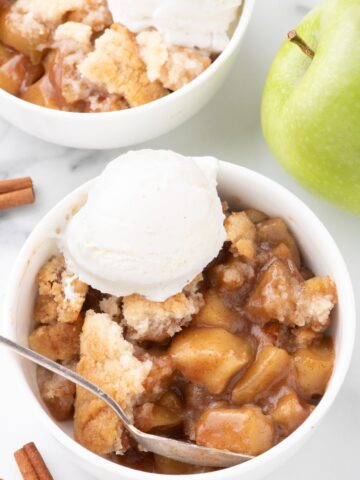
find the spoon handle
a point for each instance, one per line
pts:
(69, 375)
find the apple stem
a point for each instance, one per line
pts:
(294, 37)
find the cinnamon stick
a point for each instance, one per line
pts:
(31, 464)
(25, 466)
(37, 461)
(15, 184)
(17, 198)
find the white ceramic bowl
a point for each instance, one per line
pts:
(238, 185)
(126, 127)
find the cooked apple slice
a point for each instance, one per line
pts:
(23, 40)
(275, 232)
(274, 297)
(270, 366)
(242, 430)
(42, 93)
(314, 366)
(255, 216)
(164, 415)
(289, 413)
(210, 356)
(16, 71)
(215, 313)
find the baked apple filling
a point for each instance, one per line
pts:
(237, 360)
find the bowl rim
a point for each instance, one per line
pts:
(244, 20)
(277, 452)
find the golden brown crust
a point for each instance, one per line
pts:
(274, 231)
(173, 66)
(241, 232)
(280, 295)
(316, 299)
(157, 321)
(108, 361)
(112, 306)
(57, 393)
(159, 377)
(94, 13)
(96, 426)
(60, 294)
(72, 43)
(45, 309)
(232, 275)
(115, 65)
(58, 341)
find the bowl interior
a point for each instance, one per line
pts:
(241, 187)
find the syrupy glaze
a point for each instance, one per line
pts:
(253, 362)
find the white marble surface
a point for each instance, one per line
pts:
(228, 128)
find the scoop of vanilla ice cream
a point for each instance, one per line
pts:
(189, 23)
(152, 221)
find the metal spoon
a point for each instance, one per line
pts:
(167, 447)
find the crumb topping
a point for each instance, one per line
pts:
(111, 306)
(233, 274)
(70, 36)
(31, 16)
(286, 298)
(150, 320)
(72, 41)
(57, 341)
(94, 13)
(57, 393)
(115, 65)
(157, 382)
(241, 232)
(173, 66)
(61, 294)
(316, 299)
(107, 360)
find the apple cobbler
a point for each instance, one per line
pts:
(69, 55)
(237, 360)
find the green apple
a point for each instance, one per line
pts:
(311, 106)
